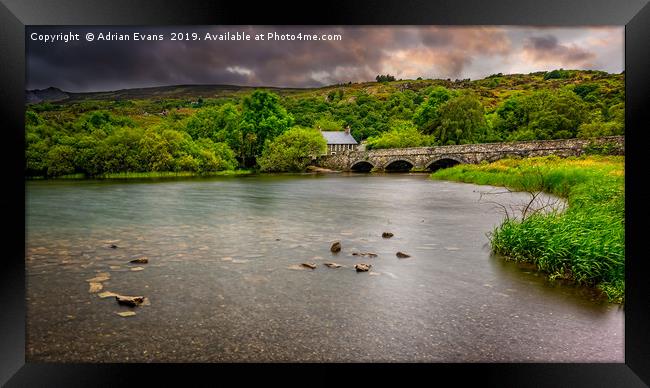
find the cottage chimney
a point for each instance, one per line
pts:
(347, 130)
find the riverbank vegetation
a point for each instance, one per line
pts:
(203, 129)
(586, 242)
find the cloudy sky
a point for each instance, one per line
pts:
(406, 52)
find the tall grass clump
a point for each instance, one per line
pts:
(584, 244)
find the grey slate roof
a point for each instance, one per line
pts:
(338, 137)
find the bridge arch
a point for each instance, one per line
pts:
(398, 164)
(362, 166)
(445, 162)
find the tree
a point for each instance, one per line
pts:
(262, 118)
(292, 150)
(545, 114)
(426, 115)
(219, 124)
(462, 120)
(328, 123)
(403, 134)
(557, 74)
(60, 160)
(555, 114)
(511, 116)
(385, 78)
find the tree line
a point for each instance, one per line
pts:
(275, 132)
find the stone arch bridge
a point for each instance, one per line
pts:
(434, 158)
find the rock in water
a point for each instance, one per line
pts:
(402, 255)
(129, 300)
(309, 265)
(369, 254)
(336, 247)
(140, 260)
(95, 287)
(106, 294)
(113, 246)
(126, 313)
(362, 267)
(387, 235)
(333, 265)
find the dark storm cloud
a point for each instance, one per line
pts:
(548, 49)
(363, 52)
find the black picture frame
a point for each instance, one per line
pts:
(16, 14)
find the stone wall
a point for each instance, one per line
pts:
(424, 157)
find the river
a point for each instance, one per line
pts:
(224, 282)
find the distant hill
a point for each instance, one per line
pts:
(53, 94)
(45, 95)
(491, 90)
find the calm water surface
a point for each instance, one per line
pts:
(223, 282)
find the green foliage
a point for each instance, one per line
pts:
(328, 123)
(335, 95)
(586, 243)
(385, 78)
(106, 134)
(558, 74)
(426, 116)
(555, 115)
(218, 123)
(60, 160)
(263, 118)
(462, 120)
(403, 134)
(293, 150)
(598, 129)
(542, 115)
(585, 91)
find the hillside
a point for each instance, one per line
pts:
(401, 113)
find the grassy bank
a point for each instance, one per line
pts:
(151, 174)
(584, 244)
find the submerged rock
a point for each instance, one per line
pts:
(140, 260)
(309, 265)
(336, 247)
(106, 294)
(333, 265)
(129, 300)
(387, 235)
(369, 254)
(402, 255)
(362, 267)
(95, 287)
(99, 279)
